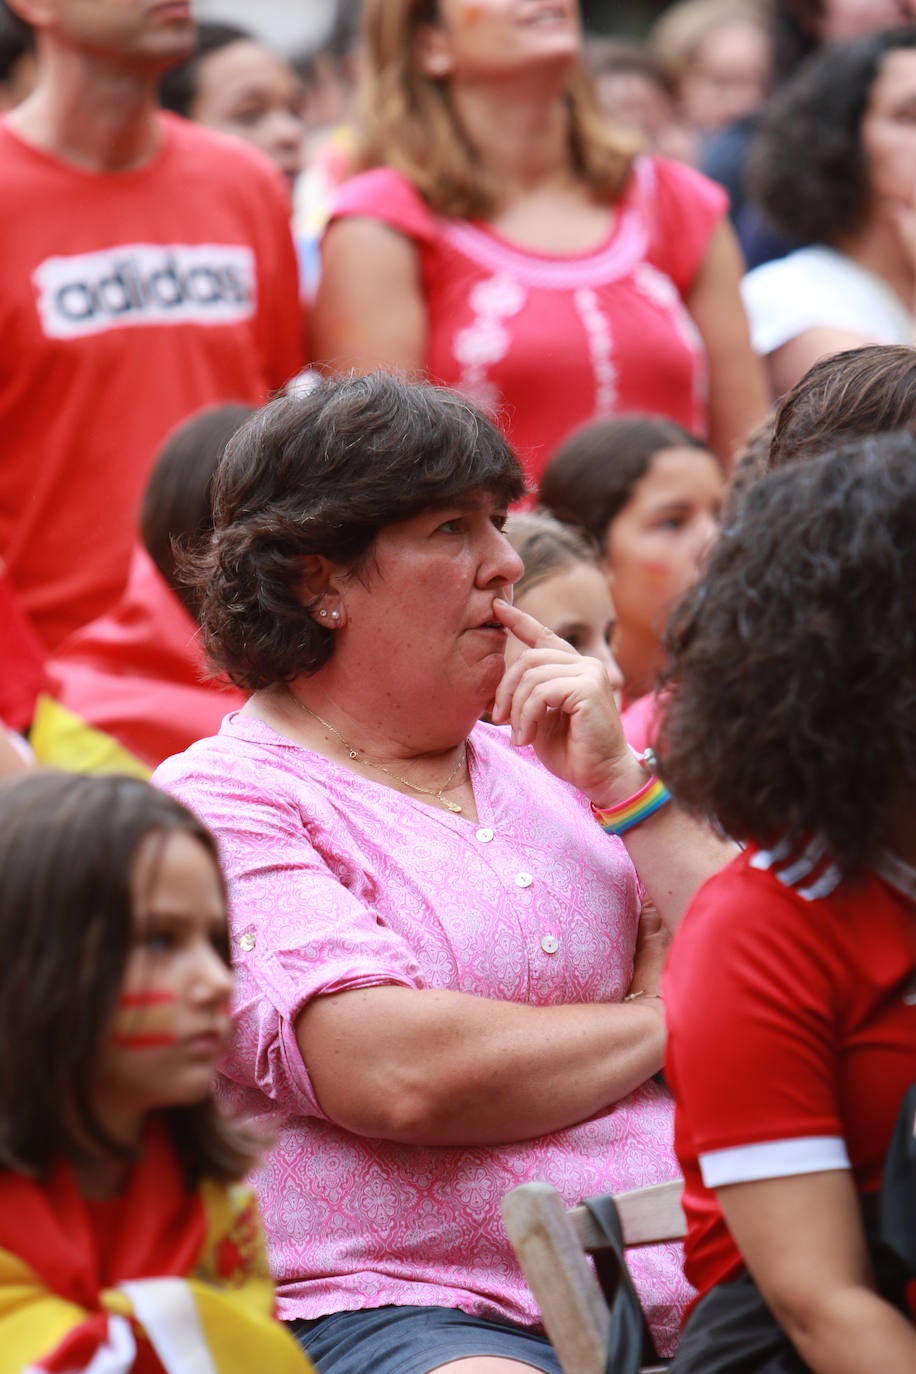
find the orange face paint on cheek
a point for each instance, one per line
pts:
(472, 14)
(144, 1020)
(654, 572)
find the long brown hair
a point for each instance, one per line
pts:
(408, 122)
(67, 849)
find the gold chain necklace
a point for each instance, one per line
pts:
(359, 757)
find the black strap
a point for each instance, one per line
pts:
(630, 1343)
(898, 1188)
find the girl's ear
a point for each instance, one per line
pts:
(432, 52)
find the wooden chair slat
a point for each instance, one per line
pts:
(552, 1241)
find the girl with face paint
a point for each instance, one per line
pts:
(116, 1169)
(649, 494)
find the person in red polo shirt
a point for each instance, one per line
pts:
(790, 987)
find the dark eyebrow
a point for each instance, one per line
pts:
(467, 501)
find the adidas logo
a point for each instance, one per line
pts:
(145, 284)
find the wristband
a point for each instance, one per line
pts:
(616, 820)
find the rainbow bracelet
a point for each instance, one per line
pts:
(614, 820)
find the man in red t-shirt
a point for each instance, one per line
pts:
(146, 270)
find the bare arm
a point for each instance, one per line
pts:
(738, 393)
(789, 363)
(369, 311)
(803, 1242)
(562, 704)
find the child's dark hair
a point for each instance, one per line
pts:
(591, 476)
(794, 657)
(67, 849)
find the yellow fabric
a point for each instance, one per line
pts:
(62, 739)
(235, 1309)
(32, 1320)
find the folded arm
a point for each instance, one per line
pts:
(428, 1067)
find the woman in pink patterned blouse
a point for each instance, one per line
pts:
(434, 940)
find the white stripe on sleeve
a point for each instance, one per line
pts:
(773, 1159)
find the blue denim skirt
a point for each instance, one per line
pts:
(415, 1340)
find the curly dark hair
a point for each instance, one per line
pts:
(794, 657)
(807, 167)
(67, 849)
(591, 476)
(321, 473)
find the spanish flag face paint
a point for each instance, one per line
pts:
(657, 542)
(145, 1020)
(170, 1026)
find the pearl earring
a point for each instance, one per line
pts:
(335, 615)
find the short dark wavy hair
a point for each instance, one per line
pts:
(68, 844)
(794, 656)
(841, 398)
(322, 472)
(846, 396)
(807, 167)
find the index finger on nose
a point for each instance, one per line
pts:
(524, 626)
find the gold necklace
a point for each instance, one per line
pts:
(359, 757)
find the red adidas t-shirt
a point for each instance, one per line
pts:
(545, 342)
(791, 1005)
(127, 302)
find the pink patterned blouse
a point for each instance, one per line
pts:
(337, 883)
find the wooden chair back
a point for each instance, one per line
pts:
(552, 1241)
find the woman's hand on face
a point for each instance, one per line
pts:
(563, 705)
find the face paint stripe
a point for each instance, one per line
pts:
(145, 1019)
(143, 1041)
(145, 999)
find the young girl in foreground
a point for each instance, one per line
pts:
(125, 1243)
(790, 988)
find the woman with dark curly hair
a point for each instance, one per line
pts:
(791, 984)
(834, 167)
(433, 938)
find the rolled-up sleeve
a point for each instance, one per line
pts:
(302, 925)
